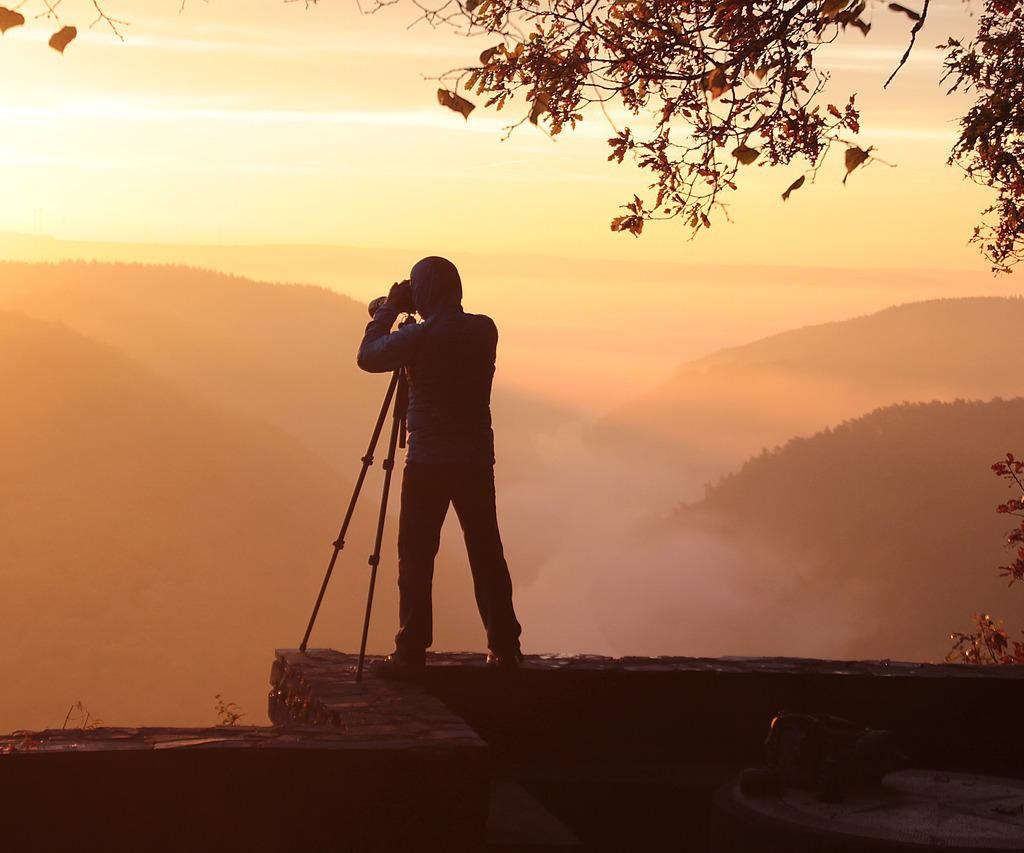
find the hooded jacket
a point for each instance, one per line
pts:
(450, 359)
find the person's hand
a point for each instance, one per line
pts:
(400, 296)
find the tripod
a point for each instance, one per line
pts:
(398, 391)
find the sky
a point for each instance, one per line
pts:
(259, 121)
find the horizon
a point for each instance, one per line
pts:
(697, 301)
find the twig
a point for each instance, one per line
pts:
(913, 38)
(111, 22)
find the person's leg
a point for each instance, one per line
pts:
(474, 500)
(425, 498)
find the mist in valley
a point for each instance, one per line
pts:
(178, 446)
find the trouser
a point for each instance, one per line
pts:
(426, 492)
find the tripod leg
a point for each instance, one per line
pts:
(339, 543)
(388, 465)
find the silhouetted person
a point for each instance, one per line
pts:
(450, 364)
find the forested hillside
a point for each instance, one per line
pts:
(891, 514)
(718, 410)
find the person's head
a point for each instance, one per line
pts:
(435, 286)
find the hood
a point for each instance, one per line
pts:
(436, 286)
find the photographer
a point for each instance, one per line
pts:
(449, 359)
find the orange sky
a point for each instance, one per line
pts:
(271, 122)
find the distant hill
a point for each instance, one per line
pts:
(718, 410)
(177, 452)
(282, 353)
(155, 544)
(583, 332)
(885, 522)
(176, 448)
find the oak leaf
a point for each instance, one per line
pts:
(455, 102)
(10, 18)
(831, 8)
(799, 182)
(854, 157)
(62, 38)
(745, 154)
(910, 13)
(540, 106)
(633, 224)
(715, 82)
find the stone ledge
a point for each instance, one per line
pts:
(318, 688)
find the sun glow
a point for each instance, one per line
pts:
(264, 122)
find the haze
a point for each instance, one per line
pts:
(182, 421)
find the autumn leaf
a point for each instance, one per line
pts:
(9, 18)
(854, 157)
(715, 82)
(745, 154)
(799, 182)
(489, 54)
(632, 223)
(540, 106)
(62, 38)
(831, 8)
(910, 13)
(455, 102)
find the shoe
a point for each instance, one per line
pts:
(502, 660)
(399, 665)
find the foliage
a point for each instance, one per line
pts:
(228, 713)
(1011, 469)
(875, 518)
(989, 643)
(715, 86)
(719, 85)
(990, 148)
(11, 18)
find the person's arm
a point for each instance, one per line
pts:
(381, 349)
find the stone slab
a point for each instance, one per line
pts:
(369, 784)
(318, 688)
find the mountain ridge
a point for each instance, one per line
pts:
(718, 410)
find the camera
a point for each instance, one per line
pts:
(400, 296)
